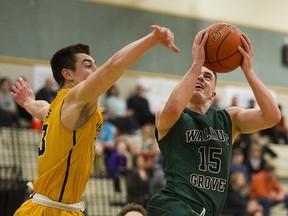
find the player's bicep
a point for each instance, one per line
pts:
(247, 120)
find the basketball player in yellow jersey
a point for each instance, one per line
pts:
(72, 122)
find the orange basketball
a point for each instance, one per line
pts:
(221, 48)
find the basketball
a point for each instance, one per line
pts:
(221, 48)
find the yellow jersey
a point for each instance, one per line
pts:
(65, 156)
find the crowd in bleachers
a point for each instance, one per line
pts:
(253, 185)
(126, 148)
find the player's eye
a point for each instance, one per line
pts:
(208, 77)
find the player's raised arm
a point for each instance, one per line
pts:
(251, 120)
(104, 77)
(181, 94)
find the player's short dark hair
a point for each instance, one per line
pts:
(66, 58)
(132, 207)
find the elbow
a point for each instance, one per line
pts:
(275, 118)
(173, 108)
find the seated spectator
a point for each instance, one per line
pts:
(8, 109)
(145, 144)
(256, 139)
(118, 113)
(265, 188)
(137, 181)
(255, 160)
(254, 208)
(158, 180)
(216, 102)
(117, 163)
(104, 144)
(238, 164)
(280, 129)
(234, 101)
(237, 196)
(47, 92)
(139, 105)
(132, 209)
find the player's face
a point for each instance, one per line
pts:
(205, 86)
(85, 65)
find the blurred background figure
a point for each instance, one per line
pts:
(279, 133)
(281, 129)
(255, 160)
(104, 145)
(145, 145)
(265, 188)
(137, 181)
(8, 109)
(216, 102)
(253, 208)
(118, 113)
(157, 181)
(238, 164)
(237, 196)
(47, 92)
(117, 163)
(139, 106)
(234, 101)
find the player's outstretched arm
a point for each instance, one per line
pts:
(99, 82)
(24, 96)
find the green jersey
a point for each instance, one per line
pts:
(196, 158)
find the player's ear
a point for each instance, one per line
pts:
(212, 96)
(67, 74)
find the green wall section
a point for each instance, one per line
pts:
(37, 28)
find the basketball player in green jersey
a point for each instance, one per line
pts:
(196, 140)
(73, 120)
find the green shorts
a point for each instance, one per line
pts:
(165, 205)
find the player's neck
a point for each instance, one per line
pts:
(199, 108)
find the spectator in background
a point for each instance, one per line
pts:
(254, 208)
(265, 188)
(257, 139)
(139, 106)
(132, 209)
(117, 163)
(47, 92)
(237, 196)
(234, 101)
(145, 144)
(118, 113)
(8, 109)
(238, 164)
(216, 102)
(255, 160)
(137, 182)
(107, 136)
(280, 128)
(245, 138)
(251, 104)
(157, 181)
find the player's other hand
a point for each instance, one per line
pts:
(165, 36)
(22, 92)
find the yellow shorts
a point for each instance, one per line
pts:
(29, 208)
